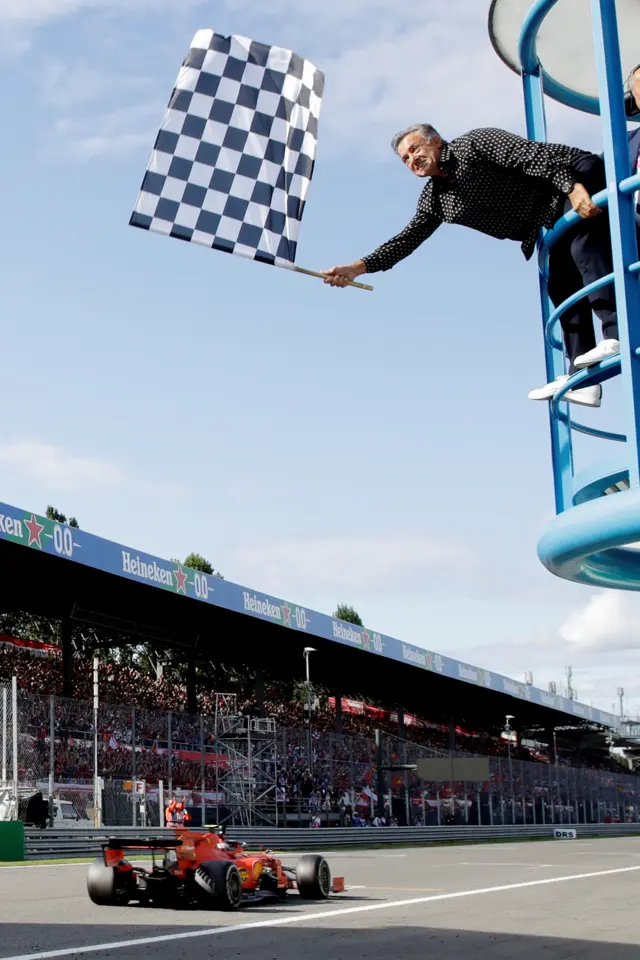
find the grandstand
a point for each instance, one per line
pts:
(102, 595)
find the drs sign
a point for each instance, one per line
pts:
(559, 834)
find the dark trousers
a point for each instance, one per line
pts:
(581, 256)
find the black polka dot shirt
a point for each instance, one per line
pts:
(496, 182)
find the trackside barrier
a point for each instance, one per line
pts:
(59, 844)
(12, 841)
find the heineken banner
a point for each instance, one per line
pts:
(39, 533)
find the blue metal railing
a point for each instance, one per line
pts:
(530, 64)
(535, 84)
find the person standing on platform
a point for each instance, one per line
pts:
(632, 103)
(509, 187)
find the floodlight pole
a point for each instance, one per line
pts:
(4, 734)
(97, 799)
(380, 778)
(14, 732)
(306, 654)
(507, 727)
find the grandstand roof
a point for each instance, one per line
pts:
(60, 571)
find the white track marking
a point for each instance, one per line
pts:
(353, 855)
(616, 853)
(316, 915)
(40, 866)
(498, 863)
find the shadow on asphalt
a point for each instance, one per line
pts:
(322, 942)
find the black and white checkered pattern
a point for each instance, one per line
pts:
(235, 153)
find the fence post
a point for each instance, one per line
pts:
(4, 734)
(170, 755)
(202, 783)
(97, 800)
(14, 715)
(161, 803)
(490, 795)
(52, 755)
(134, 795)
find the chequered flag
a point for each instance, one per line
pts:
(235, 153)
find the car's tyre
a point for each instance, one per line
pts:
(221, 880)
(106, 887)
(313, 877)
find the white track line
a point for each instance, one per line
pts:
(39, 866)
(316, 915)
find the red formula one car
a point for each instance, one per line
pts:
(190, 868)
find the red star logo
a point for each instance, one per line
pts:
(181, 577)
(286, 609)
(35, 531)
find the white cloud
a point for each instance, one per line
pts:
(87, 148)
(609, 621)
(56, 469)
(36, 12)
(428, 62)
(345, 563)
(65, 86)
(422, 62)
(113, 133)
(48, 463)
(600, 639)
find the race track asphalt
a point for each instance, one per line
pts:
(520, 901)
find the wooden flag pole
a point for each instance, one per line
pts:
(321, 276)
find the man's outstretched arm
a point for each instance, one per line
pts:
(554, 162)
(384, 257)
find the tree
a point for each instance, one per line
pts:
(54, 514)
(344, 612)
(197, 562)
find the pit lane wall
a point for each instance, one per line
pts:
(34, 532)
(51, 844)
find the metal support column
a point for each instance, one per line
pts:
(621, 218)
(14, 731)
(52, 755)
(5, 708)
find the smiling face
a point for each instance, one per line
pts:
(420, 155)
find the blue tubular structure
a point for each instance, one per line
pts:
(532, 81)
(595, 538)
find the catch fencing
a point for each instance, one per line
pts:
(258, 775)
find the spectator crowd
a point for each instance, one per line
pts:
(137, 735)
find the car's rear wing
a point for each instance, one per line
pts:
(114, 849)
(142, 843)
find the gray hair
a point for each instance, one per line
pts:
(425, 129)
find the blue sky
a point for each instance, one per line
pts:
(325, 445)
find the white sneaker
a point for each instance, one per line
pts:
(606, 348)
(586, 396)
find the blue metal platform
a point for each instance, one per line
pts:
(595, 537)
